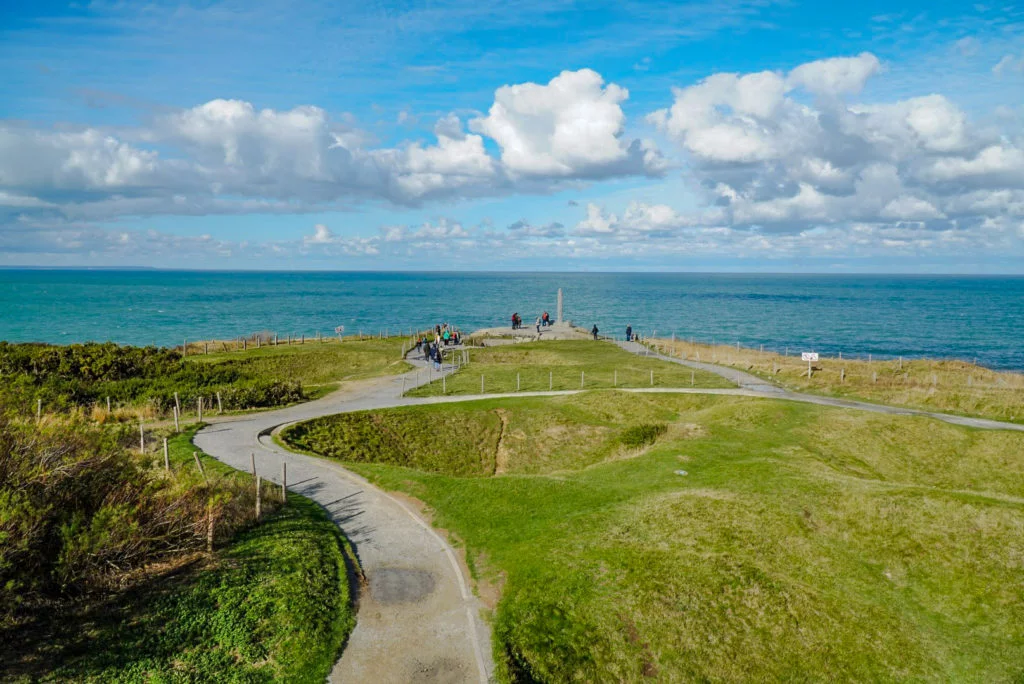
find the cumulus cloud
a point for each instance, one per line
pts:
(770, 161)
(573, 126)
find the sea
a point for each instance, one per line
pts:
(974, 318)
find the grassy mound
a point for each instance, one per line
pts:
(803, 542)
(564, 365)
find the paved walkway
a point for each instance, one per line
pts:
(417, 617)
(417, 620)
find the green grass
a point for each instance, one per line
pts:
(804, 542)
(558, 365)
(945, 385)
(320, 367)
(272, 604)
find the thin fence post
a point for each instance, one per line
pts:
(517, 382)
(259, 486)
(582, 378)
(177, 403)
(199, 464)
(551, 382)
(220, 406)
(199, 409)
(177, 428)
(693, 377)
(874, 377)
(167, 460)
(652, 377)
(284, 482)
(615, 378)
(252, 462)
(39, 410)
(142, 438)
(842, 375)
(444, 382)
(209, 528)
(108, 404)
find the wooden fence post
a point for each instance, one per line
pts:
(517, 382)
(582, 377)
(652, 377)
(284, 483)
(615, 378)
(693, 376)
(209, 528)
(252, 460)
(177, 428)
(259, 485)
(220, 406)
(39, 410)
(167, 460)
(550, 380)
(177, 403)
(199, 408)
(108, 405)
(142, 438)
(199, 464)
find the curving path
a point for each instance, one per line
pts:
(418, 619)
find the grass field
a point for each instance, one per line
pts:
(933, 385)
(802, 542)
(563, 365)
(271, 604)
(319, 366)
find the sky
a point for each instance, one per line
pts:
(728, 135)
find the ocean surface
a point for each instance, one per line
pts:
(967, 317)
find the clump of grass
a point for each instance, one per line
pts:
(636, 436)
(805, 543)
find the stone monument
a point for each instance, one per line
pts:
(558, 317)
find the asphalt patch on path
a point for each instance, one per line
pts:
(400, 585)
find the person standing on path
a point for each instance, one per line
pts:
(629, 333)
(538, 326)
(594, 331)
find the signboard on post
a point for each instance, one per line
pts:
(809, 357)
(340, 330)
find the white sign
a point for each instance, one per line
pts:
(340, 329)
(809, 356)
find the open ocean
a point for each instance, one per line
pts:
(963, 317)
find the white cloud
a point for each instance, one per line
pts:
(573, 126)
(1009, 64)
(835, 76)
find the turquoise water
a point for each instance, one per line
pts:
(946, 316)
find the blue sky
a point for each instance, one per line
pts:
(519, 135)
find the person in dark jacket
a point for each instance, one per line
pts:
(629, 333)
(594, 331)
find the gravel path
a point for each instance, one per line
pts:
(418, 619)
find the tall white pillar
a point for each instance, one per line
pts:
(558, 319)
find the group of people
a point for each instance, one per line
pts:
(444, 336)
(544, 320)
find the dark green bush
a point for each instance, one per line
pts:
(84, 375)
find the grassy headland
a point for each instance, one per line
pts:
(142, 381)
(933, 385)
(686, 537)
(106, 572)
(564, 365)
